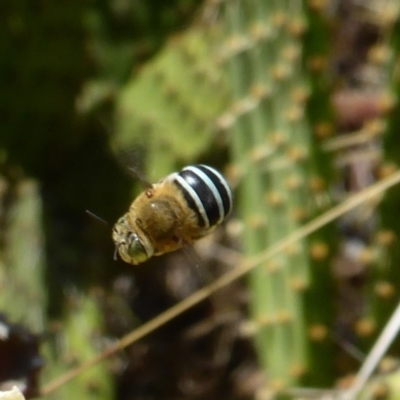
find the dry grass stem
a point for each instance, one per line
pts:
(244, 266)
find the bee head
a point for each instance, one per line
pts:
(132, 247)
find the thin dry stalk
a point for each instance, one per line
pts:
(376, 354)
(244, 267)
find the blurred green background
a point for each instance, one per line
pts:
(295, 101)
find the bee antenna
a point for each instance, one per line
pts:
(96, 217)
(141, 179)
(116, 253)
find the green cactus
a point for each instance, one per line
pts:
(384, 287)
(281, 186)
(76, 340)
(319, 318)
(171, 106)
(23, 294)
(386, 384)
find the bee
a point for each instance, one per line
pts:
(174, 212)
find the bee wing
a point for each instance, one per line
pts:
(197, 264)
(192, 255)
(133, 161)
(140, 177)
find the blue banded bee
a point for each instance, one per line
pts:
(176, 211)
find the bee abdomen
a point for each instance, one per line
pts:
(206, 192)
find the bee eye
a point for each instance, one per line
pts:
(135, 249)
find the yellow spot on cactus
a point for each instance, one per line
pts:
(291, 53)
(385, 290)
(319, 251)
(274, 199)
(323, 130)
(317, 63)
(240, 106)
(366, 256)
(387, 169)
(296, 154)
(318, 333)
(294, 114)
(260, 153)
(278, 19)
(298, 370)
(298, 284)
(277, 385)
(234, 173)
(264, 320)
(299, 95)
(388, 364)
(284, 317)
(280, 72)
(386, 103)
(375, 127)
(259, 31)
(236, 43)
(259, 91)
(388, 14)
(278, 138)
(256, 221)
(316, 184)
(380, 391)
(365, 327)
(296, 27)
(299, 214)
(379, 54)
(317, 5)
(293, 182)
(385, 237)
